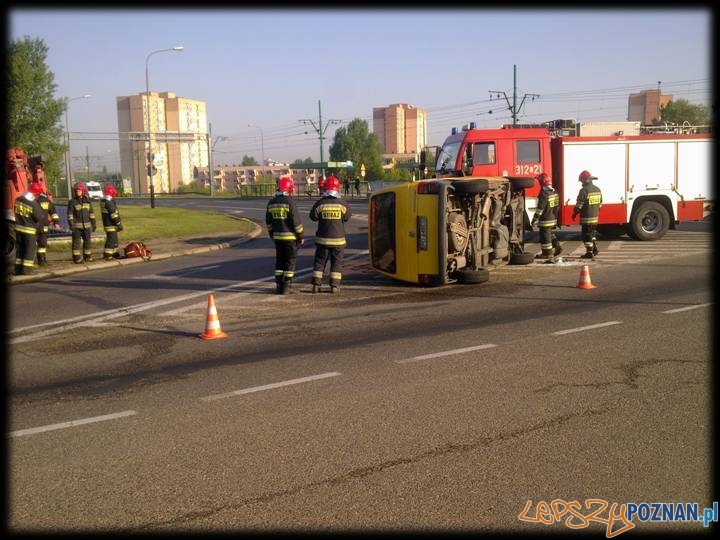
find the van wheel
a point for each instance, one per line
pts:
(521, 258)
(471, 187)
(518, 184)
(649, 222)
(467, 276)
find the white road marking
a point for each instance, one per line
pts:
(271, 386)
(688, 308)
(615, 245)
(446, 353)
(582, 328)
(71, 423)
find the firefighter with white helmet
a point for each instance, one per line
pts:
(111, 223)
(81, 220)
(545, 217)
(589, 201)
(49, 215)
(286, 230)
(28, 220)
(331, 212)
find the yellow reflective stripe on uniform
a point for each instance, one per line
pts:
(337, 276)
(548, 223)
(284, 236)
(331, 211)
(317, 274)
(26, 230)
(299, 228)
(594, 198)
(553, 201)
(111, 228)
(330, 241)
(588, 220)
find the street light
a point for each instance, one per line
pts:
(147, 110)
(262, 146)
(210, 161)
(68, 169)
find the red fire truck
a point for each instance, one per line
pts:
(649, 183)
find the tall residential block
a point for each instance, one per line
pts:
(645, 106)
(401, 128)
(179, 139)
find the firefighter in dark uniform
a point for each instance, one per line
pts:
(81, 220)
(545, 217)
(28, 221)
(588, 204)
(50, 215)
(331, 212)
(286, 230)
(111, 223)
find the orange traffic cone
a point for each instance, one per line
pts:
(584, 282)
(212, 323)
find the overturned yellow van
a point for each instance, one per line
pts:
(448, 230)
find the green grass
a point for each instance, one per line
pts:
(146, 224)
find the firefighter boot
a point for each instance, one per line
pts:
(89, 258)
(286, 287)
(278, 284)
(334, 289)
(107, 257)
(77, 259)
(316, 288)
(595, 250)
(546, 254)
(42, 261)
(588, 255)
(557, 247)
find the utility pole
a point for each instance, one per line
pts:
(210, 160)
(320, 131)
(514, 109)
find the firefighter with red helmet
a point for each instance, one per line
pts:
(28, 221)
(81, 220)
(588, 203)
(49, 216)
(286, 230)
(111, 223)
(545, 217)
(331, 212)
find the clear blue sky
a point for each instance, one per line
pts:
(271, 67)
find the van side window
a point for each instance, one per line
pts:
(483, 153)
(528, 151)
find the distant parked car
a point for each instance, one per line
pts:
(94, 190)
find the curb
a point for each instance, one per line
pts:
(100, 265)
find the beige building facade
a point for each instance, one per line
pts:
(400, 128)
(178, 128)
(644, 107)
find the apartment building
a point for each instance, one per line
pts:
(644, 107)
(179, 139)
(400, 128)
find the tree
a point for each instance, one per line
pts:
(306, 161)
(248, 160)
(682, 110)
(33, 115)
(355, 143)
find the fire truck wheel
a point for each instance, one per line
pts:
(612, 231)
(521, 258)
(518, 184)
(649, 222)
(467, 276)
(471, 187)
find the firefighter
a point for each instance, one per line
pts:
(331, 212)
(28, 221)
(589, 201)
(81, 220)
(111, 223)
(286, 230)
(545, 218)
(49, 215)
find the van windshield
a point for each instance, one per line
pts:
(447, 157)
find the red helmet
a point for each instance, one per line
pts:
(544, 179)
(332, 184)
(321, 183)
(585, 177)
(286, 184)
(110, 190)
(81, 187)
(37, 188)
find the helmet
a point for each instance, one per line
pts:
(321, 183)
(544, 179)
(81, 187)
(332, 184)
(37, 188)
(585, 177)
(286, 184)
(110, 190)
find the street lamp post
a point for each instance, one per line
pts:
(147, 111)
(68, 168)
(262, 146)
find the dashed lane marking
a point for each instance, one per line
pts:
(271, 386)
(583, 328)
(688, 308)
(71, 423)
(446, 353)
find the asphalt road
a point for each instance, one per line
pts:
(385, 407)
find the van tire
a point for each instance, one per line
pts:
(519, 184)
(521, 258)
(467, 276)
(649, 222)
(471, 187)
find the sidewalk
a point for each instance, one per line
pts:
(60, 262)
